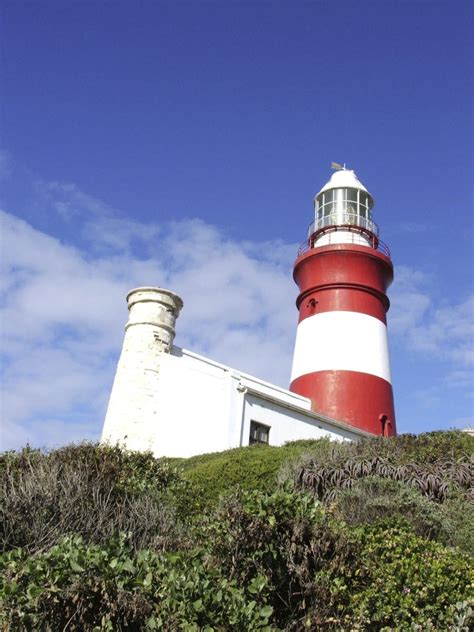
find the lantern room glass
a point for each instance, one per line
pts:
(343, 206)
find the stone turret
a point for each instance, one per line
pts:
(149, 333)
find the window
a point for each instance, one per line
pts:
(343, 206)
(258, 433)
(352, 195)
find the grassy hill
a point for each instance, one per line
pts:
(312, 535)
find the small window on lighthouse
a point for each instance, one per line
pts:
(258, 433)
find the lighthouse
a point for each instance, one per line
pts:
(343, 269)
(175, 402)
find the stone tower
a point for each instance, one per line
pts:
(149, 334)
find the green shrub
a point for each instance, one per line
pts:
(361, 558)
(318, 573)
(406, 581)
(94, 491)
(425, 448)
(436, 480)
(458, 519)
(265, 562)
(273, 545)
(254, 467)
(82, 587)
(374, 499)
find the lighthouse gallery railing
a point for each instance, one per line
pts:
(342, 218)
(345, 221)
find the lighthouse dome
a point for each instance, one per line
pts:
(342, 179)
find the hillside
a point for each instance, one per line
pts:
(309, 536)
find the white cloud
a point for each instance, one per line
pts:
(409, 301)
(63, 309)
(444, 331)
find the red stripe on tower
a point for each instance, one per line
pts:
(341, 358)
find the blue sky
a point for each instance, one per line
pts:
(181, 143)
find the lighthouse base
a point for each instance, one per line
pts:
(359, 399)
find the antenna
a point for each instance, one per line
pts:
(337, 166)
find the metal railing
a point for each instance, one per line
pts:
(343, 218)
(332, 237)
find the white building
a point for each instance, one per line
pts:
(174, 402)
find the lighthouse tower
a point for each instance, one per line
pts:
(343, 270)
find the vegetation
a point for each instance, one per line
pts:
(255, 467)
(86, 490)
(309, 536)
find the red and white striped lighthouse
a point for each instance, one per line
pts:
(341, 358)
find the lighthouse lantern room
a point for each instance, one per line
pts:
(343, 270)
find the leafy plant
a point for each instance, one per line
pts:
(373, 499)
(273, 545)
(433, 480)
(112, 587)
(408, 581)
(359, 543)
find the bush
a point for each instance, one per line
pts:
(94, 491)
(458, 512)
(425, 448)
(345, 466)
(251, 468)
(407, 582)
(318, 573)
(361, 558)
(375, 499)
(81, 587)
(273, 545)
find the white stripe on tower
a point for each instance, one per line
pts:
(341, 341)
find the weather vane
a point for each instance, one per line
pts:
(338, 167)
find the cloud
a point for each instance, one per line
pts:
(441, 330)
(441, 333)
(63, 308)
(409, 301)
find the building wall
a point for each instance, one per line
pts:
(289, 425)
(194, 406)
(201, 406)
